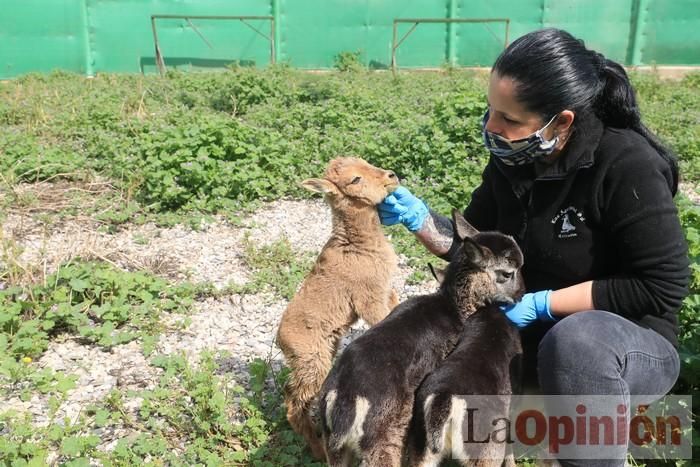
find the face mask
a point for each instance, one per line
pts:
(519, 151)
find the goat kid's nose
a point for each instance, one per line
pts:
(392, 174)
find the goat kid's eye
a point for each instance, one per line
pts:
(506, 275)
(356, 180)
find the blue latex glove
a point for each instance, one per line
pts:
(401, 206)
(532, 307)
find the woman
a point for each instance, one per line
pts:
(587, 191)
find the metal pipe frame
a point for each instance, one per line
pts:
(416, 21)
(159, 55)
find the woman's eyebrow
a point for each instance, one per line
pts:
(508, 115)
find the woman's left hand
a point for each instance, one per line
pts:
(533, 306)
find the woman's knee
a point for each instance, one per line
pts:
(584, 339)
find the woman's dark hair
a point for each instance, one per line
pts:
(554, 71)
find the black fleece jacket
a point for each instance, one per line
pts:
(603, 211)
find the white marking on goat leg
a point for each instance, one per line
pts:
(437, 436)
(430, 458)
(356, 432)
(427, 405)
(352, 438)
(330, 403)
(456, 425)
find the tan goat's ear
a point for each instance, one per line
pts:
(464, 228)
(438, 274)
(319, 185)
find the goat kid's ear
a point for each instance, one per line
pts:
(473, 251)
(319, 185)
(438, 274)
(463, 228)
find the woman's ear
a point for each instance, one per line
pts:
(562, 126)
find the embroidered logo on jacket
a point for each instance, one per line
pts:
(566, 220)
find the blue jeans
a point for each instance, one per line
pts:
(597, 352)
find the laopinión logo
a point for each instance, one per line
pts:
(576, 427)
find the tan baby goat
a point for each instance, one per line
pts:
(350, 280)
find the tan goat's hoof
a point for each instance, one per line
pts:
(317, 451)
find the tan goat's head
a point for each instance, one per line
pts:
(354, 178)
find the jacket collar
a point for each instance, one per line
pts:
(579, 153)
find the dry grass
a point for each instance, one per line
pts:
(49, 223)
(49, 196)
(13, 271)
(29, 259)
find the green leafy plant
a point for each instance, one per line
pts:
(348, 61)
(103, 304)
(275, 267)
(179, 148)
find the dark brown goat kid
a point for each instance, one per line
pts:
(366, 403)
(486, 368)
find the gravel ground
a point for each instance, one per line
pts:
(691, 191)
(242, 325)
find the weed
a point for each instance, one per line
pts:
(177, 149)
(275, 266)
(103, 305)
(348, 61)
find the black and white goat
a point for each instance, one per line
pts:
(366, 403)
(480, 374)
